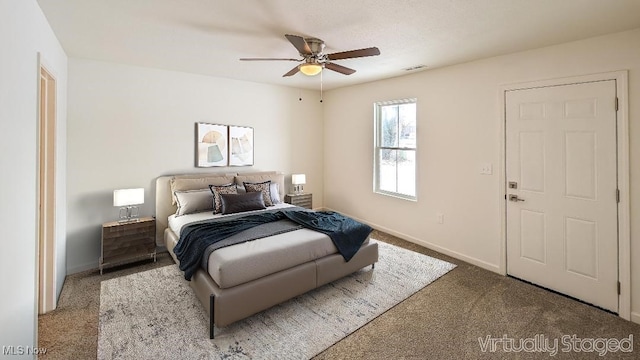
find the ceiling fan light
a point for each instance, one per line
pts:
(310, 69)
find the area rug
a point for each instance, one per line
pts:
(155, 314)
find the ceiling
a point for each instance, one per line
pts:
(209, 36)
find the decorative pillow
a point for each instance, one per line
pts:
(263, 176)
(263, 187)
(193, 201)
(217, 190)
(234, 203)
(197, 182)
(275, 193)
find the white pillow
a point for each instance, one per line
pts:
(193, 201)
(275, 194)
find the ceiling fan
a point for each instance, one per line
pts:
(314, 59)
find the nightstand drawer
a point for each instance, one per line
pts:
(132, 244)
(302, 203)
(302, 200)
(113, 230)
(127, 242)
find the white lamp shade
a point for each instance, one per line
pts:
(298, 179)
(126, 197)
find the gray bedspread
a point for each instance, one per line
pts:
(254, 233)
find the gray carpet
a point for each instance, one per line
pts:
(154, 314)
(442, 321)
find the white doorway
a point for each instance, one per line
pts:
(46, 276)
(564, 175)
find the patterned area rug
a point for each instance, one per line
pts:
(155, 314)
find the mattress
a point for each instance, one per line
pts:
(241, 263)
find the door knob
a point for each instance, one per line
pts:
(513, 197)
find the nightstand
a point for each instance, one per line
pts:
(302, 200)
(127, 242)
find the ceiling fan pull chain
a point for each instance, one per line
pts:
(321, 85)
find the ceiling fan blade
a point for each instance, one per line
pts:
(267, 59)
(292, 72)
(299, 43)
(339, 68)
(372, 51)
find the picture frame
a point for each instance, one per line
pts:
(240, 146)
(212, 144)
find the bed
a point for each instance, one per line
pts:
(243, 279)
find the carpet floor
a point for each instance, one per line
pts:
(449, 319)
(155, 314)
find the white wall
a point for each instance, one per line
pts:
(128, 125)
(458, 129)
(24, 32)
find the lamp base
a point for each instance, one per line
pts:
(129, 214)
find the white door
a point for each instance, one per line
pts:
(562, 189)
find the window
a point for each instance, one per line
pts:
(395, 148)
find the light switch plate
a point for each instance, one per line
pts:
(486, 169)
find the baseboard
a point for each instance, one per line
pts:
(471, 260)
(635, 317)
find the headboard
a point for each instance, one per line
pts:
(164, 202)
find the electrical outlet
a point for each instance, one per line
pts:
(486, 169)
(440, 218)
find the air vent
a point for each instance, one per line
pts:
(417, 67)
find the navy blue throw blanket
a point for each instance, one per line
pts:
(347, 234)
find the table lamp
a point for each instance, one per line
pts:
(298, 180)
(127, 199)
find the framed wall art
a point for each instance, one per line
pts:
(240, 146)
(212, 143)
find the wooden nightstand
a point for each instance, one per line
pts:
(127, 242)
(302, 200)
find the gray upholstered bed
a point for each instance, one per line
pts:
(253, 276)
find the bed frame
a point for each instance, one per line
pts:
(226, 306)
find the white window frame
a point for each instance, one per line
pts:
(377, 147)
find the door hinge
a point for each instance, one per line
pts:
(618, 287)
(618, 195)
(617, 105)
